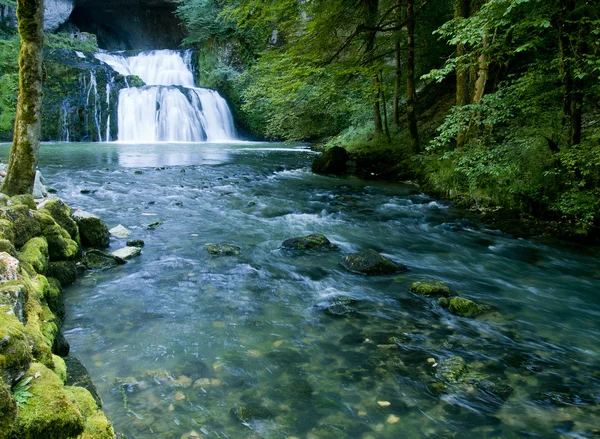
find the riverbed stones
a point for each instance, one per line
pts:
(250, 412)
(462, 307)
(120, 232)
(136, 243)
(95, 259)
(333, 161)
(223, 249)
(92, 230)
(370, 263)
(431, 289)
(310, 242)
(451, 370)
(127, 253)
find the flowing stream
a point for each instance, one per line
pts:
(169, 108)
(178, 340)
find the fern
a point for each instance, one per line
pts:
(21, 391)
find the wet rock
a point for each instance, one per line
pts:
(223, 249)
(120, 232)
(8, 408)
(451, 370)
(250, 412)
(127, 253)
(78, 375)
(286, 357)
(99, 260)
(65, 272)
(15, 348)
(61, 213)
(370, 263)
(24, 224)
(464, 307)
(333, 161)
(155, 225)
(60, 346)
(39, 190)
(9, 268)
(136, 243)
(92, 230)
(35, 253)
(431, 289)
(309, 242)
(340, 306)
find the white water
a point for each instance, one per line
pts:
(170, 108)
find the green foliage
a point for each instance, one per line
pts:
(21, 391)
(87, 43)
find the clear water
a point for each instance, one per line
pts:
(250, 330)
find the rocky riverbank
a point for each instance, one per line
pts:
(44, 394)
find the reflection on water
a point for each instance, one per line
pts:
(246, 346)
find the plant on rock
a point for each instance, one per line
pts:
(21, 391)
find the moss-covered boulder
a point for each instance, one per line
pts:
(8, 410)
(61, 213)
(6, 230)
(98, 260)
(65, 272)
(340, 306)
(92, 230)
(52, 412)
(7, 246)
(332, 161)
(451, 370)
(431, 289)
(24, 223)
(15, 347)
(370, 263)
(35, 253)
(54, 299)
(223, 249)
(78, 375)
(463, 307)
(60, 368)
(13, 298)
(9, 267)
(26, 200)
(309, 242)
(60, 245)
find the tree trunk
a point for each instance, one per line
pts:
(398, 76)
(410, 81)
(483, 73)
(566, 60)
(386, 126)
(370, 7)
(20, 175)
(376, 107)
(461, 10)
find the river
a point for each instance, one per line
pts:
(178, 340)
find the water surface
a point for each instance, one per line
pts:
(177, 339)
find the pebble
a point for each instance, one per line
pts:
(384, 403)
(179, 396)
(278, 343)
(392, 419)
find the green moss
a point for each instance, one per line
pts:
(6, 230)
(60, 368)
(65, 272)
(35, 253)
(24, 224)
(464, 307)
(61, 213)
(25, 200)
(85, 401)
(135, 81)
(53, 298)
(370, 263)
(431, 288)
(223, 249)
(92, 230)
(16, 355)
(451, 370)
(7, 247)
(60, 245)
(309, 242)
(99, 260)
(8, 410)
(52, 412)
(98, 427)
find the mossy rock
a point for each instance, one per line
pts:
(309, 242)
(6, 230)
(54, 299)
(451, 370)
(463, 307)
(223, 249)
(98, 427)
(332, 161)
(61, 346)
(92, 230)
(61, 213)
(35, 253)
(98, 260)
(60, 245)
(25, 200)
(8, 410)
(250, 412)
(7, 246)
(60, 368)
(15, 347)
(13, 298)
(370, 263)
(340, 306)
(78, 375)
(431, 289)
(52, 412)
(65, 272)
(136, 243)
(24, 223)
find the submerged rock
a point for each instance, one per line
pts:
(223, 249)
(251, 412)
(463, 307)
(98, 260)
(78, 375)
(92, 230)
(431, 289)
(136, 243)
(332, 161)
(340, 306)
(127, 253)
(120, 232)
(370, 263)
(451, 370)
(309, 242)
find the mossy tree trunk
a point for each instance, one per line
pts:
(411, 90)
(461, 10)
(20, 175)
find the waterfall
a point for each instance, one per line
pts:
(169, 108)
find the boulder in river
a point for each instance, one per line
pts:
(431, 289)
(92, 230)
(451, 370)
(314, 241)
(65, 272)
(370, 263)
(120, 232)
(127, 253)
(340, 306)
(463, 307)
(332, 161)
(223, 249)
(136, 243)
(98, 260)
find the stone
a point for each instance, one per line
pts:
(15, 348)
(451, 370)
(60, 346)
(340, 306)
(136, 243)
(65, 272)
(24, 223)
(370, 263)
(431, 289)
(39, 190)
(61, 213)
(98, 260)
(92, 230)
(8, 408)
(120, 232)
(155, 225)
(463, 307)
(223, 249)
(78, 375)
(57, 12)
(333, 161)
(13, 296)
(35, 253)
(25, 200)
(250, 412)
(309, 242)
(127, 253)
(7, 247)
(9, 268)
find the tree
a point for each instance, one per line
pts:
(411, 91)
(20, 175)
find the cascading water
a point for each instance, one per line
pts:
(169, 108)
